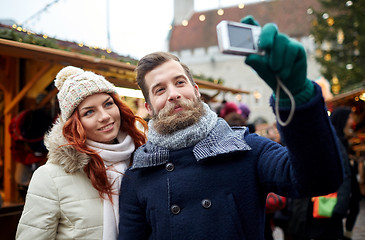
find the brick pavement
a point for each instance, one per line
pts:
(359, 229)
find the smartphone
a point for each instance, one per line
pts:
(238, 38)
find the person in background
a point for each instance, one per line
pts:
(343, 120)
(196, 178)
(235, 119)
(236, 115)
(302, 222)
(229, 107)
(75, 194)
(232, 114)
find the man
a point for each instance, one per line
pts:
(196, 178)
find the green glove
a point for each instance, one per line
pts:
(284, 58)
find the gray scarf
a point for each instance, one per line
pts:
(185, 137)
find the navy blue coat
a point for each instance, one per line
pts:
(217, 188)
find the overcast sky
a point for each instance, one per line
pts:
(136, 27)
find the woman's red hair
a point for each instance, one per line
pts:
(95, 169)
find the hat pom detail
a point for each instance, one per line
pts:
(66, 73)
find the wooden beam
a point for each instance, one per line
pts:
(30, 51)
(48, 98)
(209, 85)
(56, 56)
(11, 76)
(22, 93)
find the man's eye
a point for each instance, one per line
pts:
(159, 90)
(180, 82)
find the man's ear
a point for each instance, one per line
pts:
(197, 91)
(149, 108)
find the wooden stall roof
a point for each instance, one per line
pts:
(345, 98)
(120, 73)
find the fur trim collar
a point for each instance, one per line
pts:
(61, 153)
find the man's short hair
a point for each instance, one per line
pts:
(150, 62)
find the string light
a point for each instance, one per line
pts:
(185, 23)
(327, 57)
(202, 17)
(330, 21)
(335, 85)
(220, 12)
(256, 94)
(340, 36)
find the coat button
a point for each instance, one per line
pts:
(206, 203)
(170, 167)
(175, 209)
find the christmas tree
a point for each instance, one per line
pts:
(339, 33)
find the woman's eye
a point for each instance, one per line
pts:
(88, 113)
(108, 104)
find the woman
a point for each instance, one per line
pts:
(75, 194)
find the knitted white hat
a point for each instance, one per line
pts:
(75, 84)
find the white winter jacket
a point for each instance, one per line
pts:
(61, 202)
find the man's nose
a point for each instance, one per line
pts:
(174, 94)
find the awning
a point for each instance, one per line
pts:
(120, 73)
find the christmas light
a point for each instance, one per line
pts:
(185, 23)
(327, 57)
(330, 21)
(340, 36)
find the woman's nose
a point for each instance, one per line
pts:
(104, 116)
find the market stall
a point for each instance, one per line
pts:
(27, 71)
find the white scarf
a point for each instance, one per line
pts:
(116, 159)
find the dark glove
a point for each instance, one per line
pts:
(284, 58)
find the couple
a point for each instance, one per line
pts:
(195, 177)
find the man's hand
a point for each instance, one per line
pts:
(284, 58)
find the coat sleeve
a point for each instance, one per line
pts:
(41, 211)
(311, 163)
(132, 224)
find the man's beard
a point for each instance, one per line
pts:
(167, 122)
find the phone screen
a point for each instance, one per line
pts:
(240, 37)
